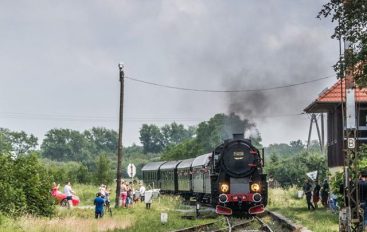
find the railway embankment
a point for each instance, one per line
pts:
(290, 207)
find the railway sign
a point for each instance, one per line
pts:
(351, 143)
(312, 175)
(131, 170)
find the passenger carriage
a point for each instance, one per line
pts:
(184, 171)
(151, 174)
(168, 177)
(201, 177)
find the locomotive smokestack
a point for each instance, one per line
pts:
(238, 136)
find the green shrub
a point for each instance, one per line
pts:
(75, 172)
(24, 186)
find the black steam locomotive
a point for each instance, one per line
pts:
(230, 178)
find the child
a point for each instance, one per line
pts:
(99, 202)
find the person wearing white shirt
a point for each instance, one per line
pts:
(142, 192)
(69, 194)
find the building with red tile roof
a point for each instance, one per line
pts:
(335, 95)
(330, 102)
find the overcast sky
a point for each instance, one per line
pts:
(59, 63)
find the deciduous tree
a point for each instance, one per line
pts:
(17, 142)
(101, 140)
(151, 138)
(65, 145)
(103, 173)
(350, 17)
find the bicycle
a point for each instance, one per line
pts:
(107, 207)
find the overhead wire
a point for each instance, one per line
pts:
(86, 118)
(227, 91)
(60, 117)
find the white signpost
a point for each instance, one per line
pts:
(351, 143)
(131, 170)
(312, 175)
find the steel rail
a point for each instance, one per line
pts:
(197, 228)
(265, 227)
(231, 227)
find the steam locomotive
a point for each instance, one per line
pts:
(231, 178)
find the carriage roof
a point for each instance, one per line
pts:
(202, 160)
(185, 163)
(154, 166)
(170, 165)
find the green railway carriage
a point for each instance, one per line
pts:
(168, 176)
(151, 174)
(201, 175)
(184, 176)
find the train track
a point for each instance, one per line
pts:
(265, 227)
(268, 221)
(233, 225)
(203, 227)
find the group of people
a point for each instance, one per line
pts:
(101, 200)
(128, 194)
(315, 192)
(68, 192)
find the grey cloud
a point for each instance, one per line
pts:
(61, 58)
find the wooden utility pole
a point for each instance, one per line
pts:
(119, 150)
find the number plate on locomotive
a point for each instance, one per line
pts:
(237, 155)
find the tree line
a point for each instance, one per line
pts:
(176, 142)
(90, 157)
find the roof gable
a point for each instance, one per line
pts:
(335, 95)
(337, 92)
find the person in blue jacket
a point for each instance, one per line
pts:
(99, 203)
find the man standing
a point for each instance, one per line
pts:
(142, 192)
(99, 203)
(316, 194)
(307, 189)
(69, 194)
(325, 193)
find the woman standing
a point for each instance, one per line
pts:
(123, 193)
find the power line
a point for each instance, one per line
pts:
(86, 118)
(226, 91)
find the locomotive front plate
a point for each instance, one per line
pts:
(238, 155)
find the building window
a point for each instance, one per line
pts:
(362, 117)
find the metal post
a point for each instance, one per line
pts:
(132, 176)
(310, 131)
(354, 217)
(319, 135)
(197, 209)
(322, 131)
(119, 150)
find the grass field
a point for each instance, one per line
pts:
(140, 219)
(82, 218)
(287, 204)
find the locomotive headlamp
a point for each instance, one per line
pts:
(224, 188)
(255, 187)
